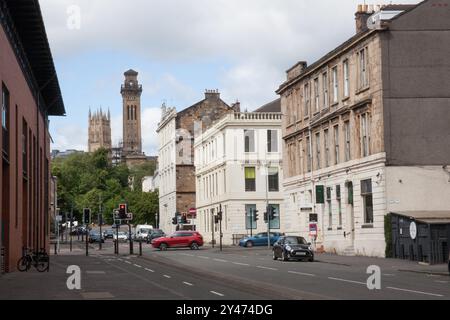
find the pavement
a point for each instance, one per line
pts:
(232, 274)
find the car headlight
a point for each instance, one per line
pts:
(310, 248)
(288, 248)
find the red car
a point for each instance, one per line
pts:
(180, 239)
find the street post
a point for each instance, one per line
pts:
(70, 230)
(131, 239)
(251, 222)
(220, 213)
(100, 222)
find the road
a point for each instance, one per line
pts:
(234, 274)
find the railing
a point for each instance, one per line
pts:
(257, 116)
(2, 260)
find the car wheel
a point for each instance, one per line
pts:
(163, 247)
(274, 255)
(284, 257)
(311, 259)
(194, 246)
(249, 244)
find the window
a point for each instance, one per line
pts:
(272, 140)
(363, 68)
(317, 150)
(366, 193)
(5, 120)
(330, 209)
(365, 135)
(307, 95)
(249, 140)
(301, 150)
(316, 95)
(250, 222)
(273, 180)
(346, 79)
(336, 144)
(24, 147)
(327, 147)
(339, 201)
(325, 90)
(308, 154)
(347, 141)
(250, 179)
(335, 85)
(275, 222)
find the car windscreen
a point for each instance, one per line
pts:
(295, 240)
(145, 230)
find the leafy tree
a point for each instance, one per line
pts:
(89, 180)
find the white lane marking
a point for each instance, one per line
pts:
(388, 275)
(128, 262)
(188, 284)
(439, 281)
(217, 293)
(220, 260)
(136, 265)
(302, 273)
(149, 270)
(166, 276)
(119, 259)
(350, 281)
(418, 292)
(267, 268)
(203, 257)
(187, 254)
(241, 264)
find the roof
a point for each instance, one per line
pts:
(29, 26)
(131, 72)
(274, 106)
(398, 7)
(428, 217)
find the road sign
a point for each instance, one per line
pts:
(313, 229)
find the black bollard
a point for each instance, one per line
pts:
(140, 248)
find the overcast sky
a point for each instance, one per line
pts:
(180, 48)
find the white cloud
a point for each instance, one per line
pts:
(70, 136)
(257, 40)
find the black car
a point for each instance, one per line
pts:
(95, 237)
(108, 234)
(293, 247)
(155, 234)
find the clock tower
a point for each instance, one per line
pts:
(131, 94)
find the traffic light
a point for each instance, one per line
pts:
(183, 219)
(271, 211)
(265, 216)
(216, 219)
(220, 215)
(175, 221)
(87, 215)
(122, 211)
(255, 215)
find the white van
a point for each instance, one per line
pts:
(142, 231)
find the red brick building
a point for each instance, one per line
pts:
(30, 93)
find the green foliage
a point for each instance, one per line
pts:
(90, 181)
(388, 235)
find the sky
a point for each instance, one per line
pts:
(180, 48)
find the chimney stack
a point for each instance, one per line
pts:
(236, 106)
(362, 14)
(212, 94)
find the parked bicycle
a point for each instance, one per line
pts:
(40, 260)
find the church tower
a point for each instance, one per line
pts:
(131, 94)
(99, 131)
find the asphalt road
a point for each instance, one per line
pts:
(207, 274)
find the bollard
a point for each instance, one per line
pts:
(140, 248)
(56, 248)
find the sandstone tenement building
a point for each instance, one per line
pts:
(366, 131)
(176, 133)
